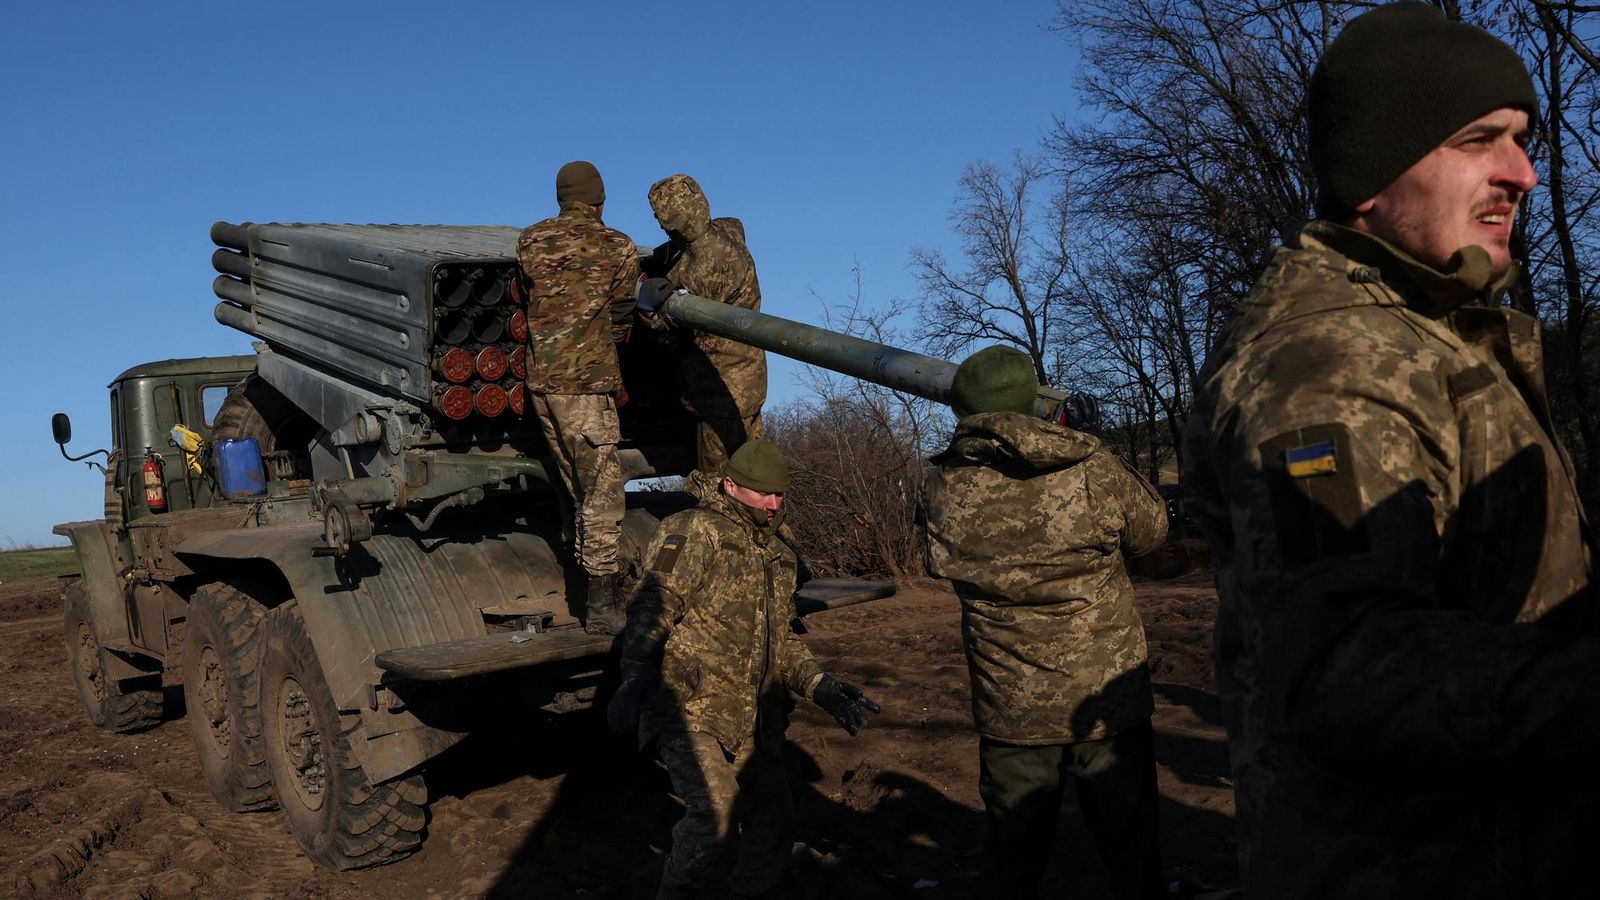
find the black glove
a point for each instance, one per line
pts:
(652, 292)
(638, 683)
(844, 701)
(1080, 412)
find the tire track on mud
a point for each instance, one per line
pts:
(24, 625)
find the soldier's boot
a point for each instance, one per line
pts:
(603, 612)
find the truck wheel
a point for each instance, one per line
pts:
(340, 819)
(221, 662)
(256, 409)
(122, 706)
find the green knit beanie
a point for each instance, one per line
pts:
(759, 466)
(579, 182)
(994, 379)
(1393, 85)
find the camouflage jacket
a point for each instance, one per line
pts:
(1404, 580)
(580, 277)
(714, 609)
(1030, 521)
(721, 378)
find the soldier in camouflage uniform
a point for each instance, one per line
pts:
(710, 624)
(580, 277)
(724, 382)
(1030, 521)
(1405, 645)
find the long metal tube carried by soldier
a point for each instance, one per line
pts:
(902, 370)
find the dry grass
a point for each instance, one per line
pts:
(35, 570)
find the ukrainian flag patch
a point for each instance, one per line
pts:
(1313, 459)
(667, 556)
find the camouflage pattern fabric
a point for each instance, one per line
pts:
(1030, 522)
(714, 608)
(720, 792)
(721, 378)
(580, 277)
(1405, 643)
(717, 438)
(581, 430)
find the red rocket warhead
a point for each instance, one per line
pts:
(491, 364)
(491, 400)
(455, 402)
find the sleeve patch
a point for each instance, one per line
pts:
(1316, 503)
(667, 556)
(1321, 458)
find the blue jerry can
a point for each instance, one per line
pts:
(239, 463)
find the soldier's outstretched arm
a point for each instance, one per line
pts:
(621, 300)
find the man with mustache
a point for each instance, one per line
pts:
(1405, 641)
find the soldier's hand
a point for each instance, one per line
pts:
(638, 682)
(844, 701)
(651, 293)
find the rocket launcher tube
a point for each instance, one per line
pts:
(913, 373)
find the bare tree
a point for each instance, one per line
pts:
(1557, 231)
(1010, 282)
(857, 456)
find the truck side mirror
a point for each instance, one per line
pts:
(61, 427)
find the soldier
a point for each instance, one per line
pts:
(1404, 646)
(580, 277)
(1030, 521)
(724, 382)
(710, 623)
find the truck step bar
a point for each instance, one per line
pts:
(518, 649)
(491, 653)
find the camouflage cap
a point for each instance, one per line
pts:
(579, 182)
(994, 379)
(759, 466)
(680, 206)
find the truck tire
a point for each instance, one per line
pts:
(340, 819)
(221, 664)
(255, 409)
(120, 706)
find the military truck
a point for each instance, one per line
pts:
(349, 546)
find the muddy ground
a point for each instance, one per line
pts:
(552, 807)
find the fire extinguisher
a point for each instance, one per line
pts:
(155, 486)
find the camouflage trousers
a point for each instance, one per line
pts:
(582, 432)
(717, 437)
(1115, 781)
(720, 792)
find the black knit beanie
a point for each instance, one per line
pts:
(1393, 85)
(579, 182)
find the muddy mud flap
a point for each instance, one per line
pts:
(98, 561)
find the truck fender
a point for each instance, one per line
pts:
(390, 591)
(108, 603)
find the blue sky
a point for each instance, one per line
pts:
(835, 130)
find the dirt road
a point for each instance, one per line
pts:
(553, 808)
